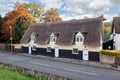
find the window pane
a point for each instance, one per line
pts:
(81, 39)
(48, 49)
(75, 50)
(53, 39)
(77, 39)
(34, 48)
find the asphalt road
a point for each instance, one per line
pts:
(73, 71)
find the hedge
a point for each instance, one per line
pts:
(111, 52)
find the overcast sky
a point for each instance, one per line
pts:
(72, 9)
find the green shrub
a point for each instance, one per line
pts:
(111, 52)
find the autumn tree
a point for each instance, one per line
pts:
(21, 24)
(36, 9)
(52, 16)
(107, 30)
(11, 16)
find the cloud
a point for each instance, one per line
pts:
(115, 2)
(51, 3)
(81, 7)
(67, 17)
(77, 9)
(7, 5)
(71, 9)
(110, 16)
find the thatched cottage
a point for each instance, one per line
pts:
(114, 42)
(77, 39)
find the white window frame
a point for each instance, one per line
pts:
(79, 38)
(53, 38)
(34, 48)
(33, 37)
(75, 52)
(49, 49)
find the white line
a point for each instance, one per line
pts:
(90, 73)
(41, 64)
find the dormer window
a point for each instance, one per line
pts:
(53, 38)
(33, 37)
(79, 38)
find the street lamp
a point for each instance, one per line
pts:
(10, 38)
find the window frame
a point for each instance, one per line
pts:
(34, 48)
(53, 38)
(75, 52)
(49, 49)
(33, 37)
(79, 38)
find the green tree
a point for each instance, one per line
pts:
(20, 26)
(107, 30)
(10, 18)
(1, 22)
(36, 9)
(108, 24)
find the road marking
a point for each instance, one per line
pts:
(41, 64)
(90, 73)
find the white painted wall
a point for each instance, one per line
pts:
(117, 41)
(70, 47)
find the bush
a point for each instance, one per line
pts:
(111, 52)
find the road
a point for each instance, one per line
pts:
(73, 71)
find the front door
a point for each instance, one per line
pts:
(56, 52)
(85, 55)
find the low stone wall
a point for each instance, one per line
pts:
(117, 61)
(107, 59)
(34, 73)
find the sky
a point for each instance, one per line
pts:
(72, 9)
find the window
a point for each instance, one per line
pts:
(33, 37)
(34, 48)
(53, 38)
(79, 38)
(48, 49)
(75, 51)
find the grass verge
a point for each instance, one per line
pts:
(13, 73)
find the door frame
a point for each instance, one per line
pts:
(56, 52)
(85, 55)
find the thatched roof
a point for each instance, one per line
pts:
(91, 29)
(116, 24)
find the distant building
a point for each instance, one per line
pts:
(77, 39)
(114, 42)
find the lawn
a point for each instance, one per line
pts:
(9, 74)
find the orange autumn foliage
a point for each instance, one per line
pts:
(18, 11)
(52, 16)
